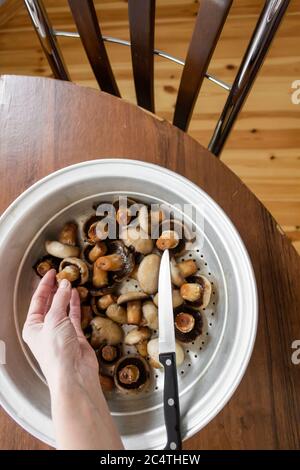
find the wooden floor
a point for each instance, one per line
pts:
(264, 149)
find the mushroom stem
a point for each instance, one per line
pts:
(68, 235)
(86, 316)
(100, 249)
(123, 216)
(187, 267)
(191, 291)
(100, 277)
(44, 267)
(112, 262)
(105, 301)
(184, 322)
(109, 353)
(142, 348)
(134, 312)
(129, 374)
(70, 272)
(83, 293)
(169, 239)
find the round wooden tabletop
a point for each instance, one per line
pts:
(47, 124)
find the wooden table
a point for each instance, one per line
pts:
(47, 124)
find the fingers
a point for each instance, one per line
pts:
(39, 301)
(75, 312)
(60, 302)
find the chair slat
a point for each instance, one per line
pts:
(142, 24)
(210, 20)
(44, 31)
(86, 20)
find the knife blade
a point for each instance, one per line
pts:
(165, 307)
(167, 355)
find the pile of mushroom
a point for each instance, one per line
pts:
(114, 318)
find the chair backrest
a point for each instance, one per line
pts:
(209, 22)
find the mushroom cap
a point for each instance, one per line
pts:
(59, 250)
(68, 234)
(143, 376)
(137, 335)
(196, 331)
(150, 314)
(138, 239)
(117, 313)
(148, 273)
(79, 263)
(176, 275)
(93, 219)
(153, 352)
(132, 295)
(106, 331)
(176, 298)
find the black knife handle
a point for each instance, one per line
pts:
(171, 401)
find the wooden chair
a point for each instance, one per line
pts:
(209, 22)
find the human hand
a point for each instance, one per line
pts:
(53, 333)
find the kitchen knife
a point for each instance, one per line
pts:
(167, 354)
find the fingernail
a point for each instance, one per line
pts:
(64, 283)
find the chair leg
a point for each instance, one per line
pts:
(47, 38)
(260, 42)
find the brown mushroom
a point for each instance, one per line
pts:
(153, 353)
(92, 252)
(138, 239)
(188, 323)
(83, 293)
(176, 275)
(187, 267)
(59, 250)
(108, 354)
(45, 264)
(130, 296)
(137, 335)
(168, 240)
(196, 291)
(176, 298)
(131, 374)
(86, 316)
(106, 331)
(142, 348)
(134, 312)
(73, 268)
(120, 260)
(148, 273)
(183, 236)
(68, 234)
(100, 277)
(71, 273)
(150, 315)
(106, 300)
(117, 313)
